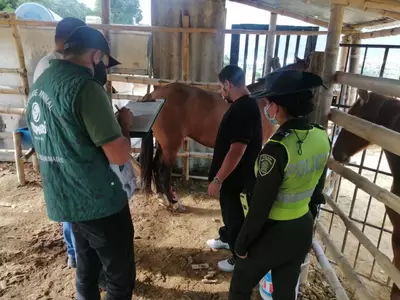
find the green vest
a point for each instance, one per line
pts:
(302, 172)
(78, 182)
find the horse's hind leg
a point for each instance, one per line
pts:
(167, 163)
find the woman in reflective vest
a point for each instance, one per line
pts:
(277, 233)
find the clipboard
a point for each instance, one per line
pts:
(144, 114)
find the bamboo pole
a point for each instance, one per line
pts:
(35, 162)
(270, 44)
(159, 82)
(372, 23)
(380, 194)
(105, 19)
(389, 5)
(185, 48)
(329, 272)
(13, 90)
(353, 68)
(344, 52)
(385, 86)
(376, 134)
(11, 71)
(378, 33)
(6, 135)
(126, 97)
(316, 67)
(19, 163)
(360, 291)
(21, 59)
(185, 72)
(12, 111)
(330, 62)
(384, 261)
(115, 27)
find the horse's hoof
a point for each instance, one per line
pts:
(164, 201)
(177, 207)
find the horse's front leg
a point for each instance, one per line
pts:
(395, 219)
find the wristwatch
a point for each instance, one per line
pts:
(216, 180)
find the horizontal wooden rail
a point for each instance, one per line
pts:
(126, 97)
(359, 289)
(380, 194)
(329, 272)
(158, 82)
(376, 134)
(13, 90)
(12, 111)
(11, 71)
(384, 261)
(118, 27)
(385, 86)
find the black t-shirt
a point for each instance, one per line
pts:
(240, 124)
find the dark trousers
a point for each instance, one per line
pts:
(281, 248)
(107, 243)
(232, 215)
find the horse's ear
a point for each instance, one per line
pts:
(297, 59)
(364, 95)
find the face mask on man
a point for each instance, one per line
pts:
(100, 72)
(268, 116)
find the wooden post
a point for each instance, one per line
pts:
(21, 59)
(343, 53)
(270, 44)
(353, 68)
(19, 163)
(35, 162)
(184, 75)
(330, 61)
(105, 19)
(316, 67)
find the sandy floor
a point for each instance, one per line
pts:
(33, 257)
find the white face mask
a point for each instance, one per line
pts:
(267, 115)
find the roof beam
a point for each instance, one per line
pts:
(377, 33)
(386, 8)
(373, 23)
(288, 13)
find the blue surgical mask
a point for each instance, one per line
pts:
(267, 115)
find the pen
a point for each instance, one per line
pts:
(117, 107)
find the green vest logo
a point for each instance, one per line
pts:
(40, 129)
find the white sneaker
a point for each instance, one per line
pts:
(227, 265)
(217, 244)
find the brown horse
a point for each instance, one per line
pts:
(188, 112)
(384, 111)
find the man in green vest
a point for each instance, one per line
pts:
(77, 137)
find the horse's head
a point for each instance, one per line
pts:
(347, 143)
(299, 64)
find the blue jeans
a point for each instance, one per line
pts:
(69, 238)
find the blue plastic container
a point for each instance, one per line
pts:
(26, 137)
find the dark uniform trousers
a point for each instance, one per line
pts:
(281, 248)
(109, 241)
(232, 215)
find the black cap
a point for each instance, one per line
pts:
(90, 38)
(286, 82)
(66, 26)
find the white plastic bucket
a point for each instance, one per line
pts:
(266, 287)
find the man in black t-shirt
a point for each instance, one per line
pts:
(237, 145)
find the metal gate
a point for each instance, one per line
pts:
(370, 216)
(252, 60)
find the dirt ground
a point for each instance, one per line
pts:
(33, 255)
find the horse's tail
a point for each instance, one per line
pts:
(147, 163)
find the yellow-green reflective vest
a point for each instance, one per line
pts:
(302, 172)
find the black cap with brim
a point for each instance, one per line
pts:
(288, 82)
(90, 38)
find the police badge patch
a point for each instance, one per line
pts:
(265, 164)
